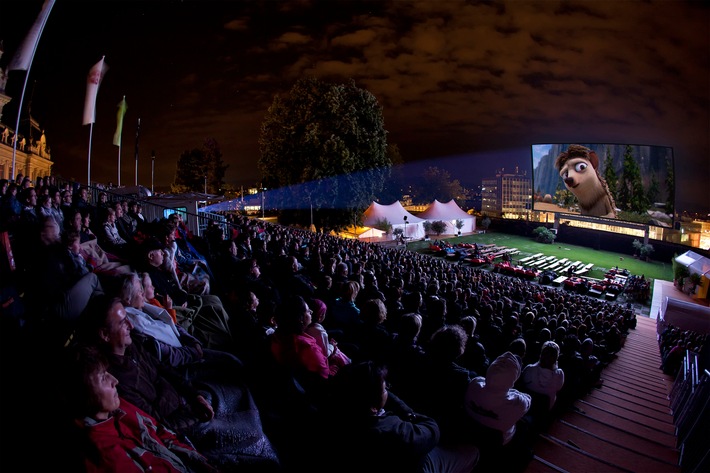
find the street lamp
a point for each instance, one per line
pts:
(152, 173)
(313, 227)
(405, 232)
(262, 200)
(205, 183)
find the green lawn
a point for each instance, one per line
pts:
(602, 260)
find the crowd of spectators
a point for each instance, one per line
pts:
(258, 345)
(674, 343)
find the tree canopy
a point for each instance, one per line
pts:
(395, 184)
(323, 145)
(610, 175)
(436, 183)
(631, 195)
(198, 165)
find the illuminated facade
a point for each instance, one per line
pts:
(508, 194)
(690, 232)
(32, 157)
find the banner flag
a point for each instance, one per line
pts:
(24, 55)
(122, 107)
(93, 81)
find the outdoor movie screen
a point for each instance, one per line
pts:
(634, 183)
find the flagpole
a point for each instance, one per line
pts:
(17, 124)
(36, 31)
(88, 171)
(119, 165)
(138, 130)
(152, 174)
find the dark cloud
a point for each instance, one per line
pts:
(467, 79)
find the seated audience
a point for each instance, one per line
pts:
(496, 409)
(169, 342)
(220, 419)
(115, 435)
(291, 346)
(380, 432)
(110, 238)
(328, 345)
(345, 314)
(407, 358)
(543, 380)
(372, 340)
(293, 358)
(474, 356)
(444, 382)
(60, 288)
(202, 315)
(86, 233)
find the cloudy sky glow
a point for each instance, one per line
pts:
(463, 83)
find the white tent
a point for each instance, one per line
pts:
(363, 233)
(449, 212)
(695, 263)
(395, 214)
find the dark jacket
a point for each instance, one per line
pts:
(143, 383)
(392, 441)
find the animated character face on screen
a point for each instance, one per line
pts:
(578, 169)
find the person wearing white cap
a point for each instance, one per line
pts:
(499, 417)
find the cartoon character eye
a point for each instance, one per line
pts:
(579, 167)
(564, 174)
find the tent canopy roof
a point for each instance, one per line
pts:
(694, 262)
(444, 211)
(393, 213)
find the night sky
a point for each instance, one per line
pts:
(466, 86)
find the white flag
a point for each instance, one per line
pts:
(23, 57)
(93, 81)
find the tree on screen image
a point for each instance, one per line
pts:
(610, 175)
(670, 186)
(631, 195)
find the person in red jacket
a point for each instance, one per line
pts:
(118, 436)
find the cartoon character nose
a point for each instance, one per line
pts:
(569, 181)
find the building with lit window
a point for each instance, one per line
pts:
(27, 150)
(507, 195)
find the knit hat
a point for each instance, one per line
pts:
(318, 307)
(503, 372)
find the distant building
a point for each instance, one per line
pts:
(474, 200)
(507, 194)
(32, 157)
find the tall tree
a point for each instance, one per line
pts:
(631, 193)
(436, 183)
(610, 174)
(323, 145)
(653, 190)
(200, 167)
(393, 188)
(670, 187)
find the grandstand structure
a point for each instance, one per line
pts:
(640, 419)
